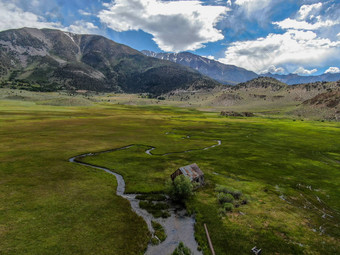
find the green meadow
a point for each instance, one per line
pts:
(288, 170)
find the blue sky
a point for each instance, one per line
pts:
(280, 36)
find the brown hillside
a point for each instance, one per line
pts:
(328, 99)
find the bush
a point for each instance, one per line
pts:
(181, 188)
(225, 198)
(223, 189)
(159, 231)
(182, 250)
(236, 194)
(245, 200)
(220, 188)
(221, 211)
(228, 207)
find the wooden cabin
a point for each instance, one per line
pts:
(193, 172)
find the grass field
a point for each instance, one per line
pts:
(289, 170)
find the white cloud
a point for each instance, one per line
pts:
(253, 5)
(307, 10)
(175, 25)
(246, 2)
(302, 70)
(14, 17)
(296, 24)
(274, 70)
(82, 27)
(308, 18)
(84, 13)
(209, 57)
(333, 70)
(299, 48)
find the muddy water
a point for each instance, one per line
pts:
(178, 227)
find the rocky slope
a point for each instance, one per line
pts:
(227, 74)
(48, 60)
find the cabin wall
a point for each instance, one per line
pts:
(175, 174)
(199, 179)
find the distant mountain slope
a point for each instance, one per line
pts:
(291, 79)
(227, 74)
(263, 83)
(325, 105)
(48, 60)
(327, 99)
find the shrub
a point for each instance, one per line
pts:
(228, 207)
(182, 250)
(236, 194)
(220, 188)
(221, 211)
(225, 198)
(159, 231)
(181, 188)
(154, 241)
(223, 189)
(245, 200)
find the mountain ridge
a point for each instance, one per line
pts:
(226, 74)
(292, 79)
(52, 59)
(231, 74)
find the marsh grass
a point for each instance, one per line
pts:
(157, 209)
(51, 206)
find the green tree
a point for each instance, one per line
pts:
(181, 188)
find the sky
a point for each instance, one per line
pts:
(277, 36)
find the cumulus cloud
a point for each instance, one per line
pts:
(309, 40)
(302, 70)
(253, 5)
(292, 47)
(296, 24)
(82, 27)
(308, 18)
(333, 70)
(307, 10)
(14, 17)
(274, 70)
(174, 25)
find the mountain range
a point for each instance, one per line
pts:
(291, 79)
(48, 60)
(226, 74)
(230, 74)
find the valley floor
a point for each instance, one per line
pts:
(288, 169)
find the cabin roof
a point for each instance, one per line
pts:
(192, 171)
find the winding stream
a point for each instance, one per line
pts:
(178, 227)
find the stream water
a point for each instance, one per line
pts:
(179, 227)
